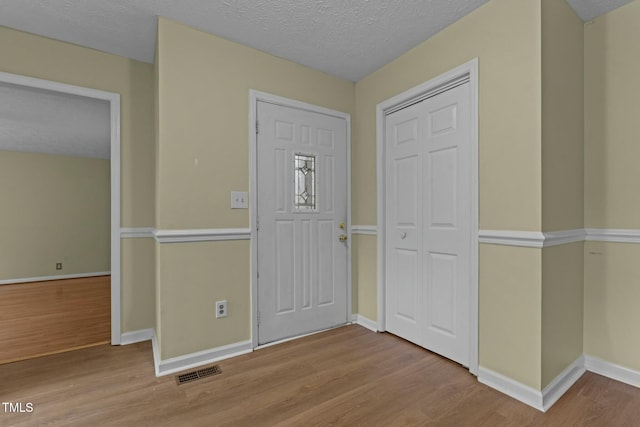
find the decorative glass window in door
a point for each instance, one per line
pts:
(305, 182)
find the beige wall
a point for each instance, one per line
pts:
(55, 209)
(611, 295)
(562, 185)
(156, 245)
(138, 266)
(364, 266)
(35, 56)
(530, 173)
(204, 84)
(612, 108)
(611, 87)
(159, 299)
(203, 140)
(562, 117)
(510, 313)
(505, 37)
(562, 308)
(192, 278)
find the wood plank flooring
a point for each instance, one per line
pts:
(41, 318)
(344, 377)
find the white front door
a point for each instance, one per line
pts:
(428, 223)
(301, 215)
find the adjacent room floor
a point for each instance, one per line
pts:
(347, 376)
(54, 316)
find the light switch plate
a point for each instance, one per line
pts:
(239, 200)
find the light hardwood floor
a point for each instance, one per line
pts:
(344, 377)
(40, 318)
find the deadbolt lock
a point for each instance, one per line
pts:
(341, 226)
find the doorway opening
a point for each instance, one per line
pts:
(109, 103)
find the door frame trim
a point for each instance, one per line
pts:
(114, 110)
(255, 97)
(382, 109)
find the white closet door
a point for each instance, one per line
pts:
(404, 187)
(428, 240)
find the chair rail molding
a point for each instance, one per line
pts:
(185, 236)
(368, 230)
(136, 233)
(616, 235)
(202, 235)
(539, 239)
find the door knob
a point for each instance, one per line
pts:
(343, 238)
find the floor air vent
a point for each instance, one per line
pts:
(196, 375)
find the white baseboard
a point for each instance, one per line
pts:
(48, 278)
(613, 371)
(562, 383)
(540, 400)
(512, 388)
(364, 322)
(193, 360)
(136, 336)
(156, 353)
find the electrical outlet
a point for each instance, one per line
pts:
(58, 266)
(239, 200)
(221, 309)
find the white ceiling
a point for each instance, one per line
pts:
(591, 9)
(348, 39)
(345, 38)
(36, 120)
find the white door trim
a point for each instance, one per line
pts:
(254, 97)
(114, 101)
(404, 99)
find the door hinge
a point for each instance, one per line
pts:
(258, 318)
(257, 127)
(257, 223)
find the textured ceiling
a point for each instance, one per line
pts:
(590, 9)
(349, 39)
(35, 120)
(346, 38)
